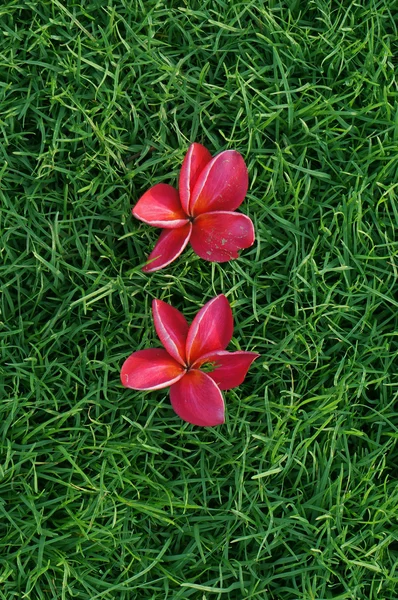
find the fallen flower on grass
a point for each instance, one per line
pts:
(195, 394)
(201, 212)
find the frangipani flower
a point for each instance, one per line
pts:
(195, 395)
(201, 212)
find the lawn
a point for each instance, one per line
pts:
(104, 492)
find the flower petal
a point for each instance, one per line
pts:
(230, 368)
(172, 329)
(218, 236)
(169, 245)
(222, 184)
(198, 400)
(160, 206)
(194, 162)
(151, 369)
(211, 329)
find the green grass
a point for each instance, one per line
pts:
(104, 492)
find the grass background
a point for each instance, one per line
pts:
(104, 492)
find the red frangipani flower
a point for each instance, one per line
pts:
(201, 212)
(195, 395)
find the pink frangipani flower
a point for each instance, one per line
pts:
(201, 212)
(195, 395)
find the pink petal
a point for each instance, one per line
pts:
(222, 185)
(160, 206)
(172, 329)
(150, 369)
(218, 236)
(198, 400)
(169, 245)
(195, 161)
(211, 329)
(230, 367)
